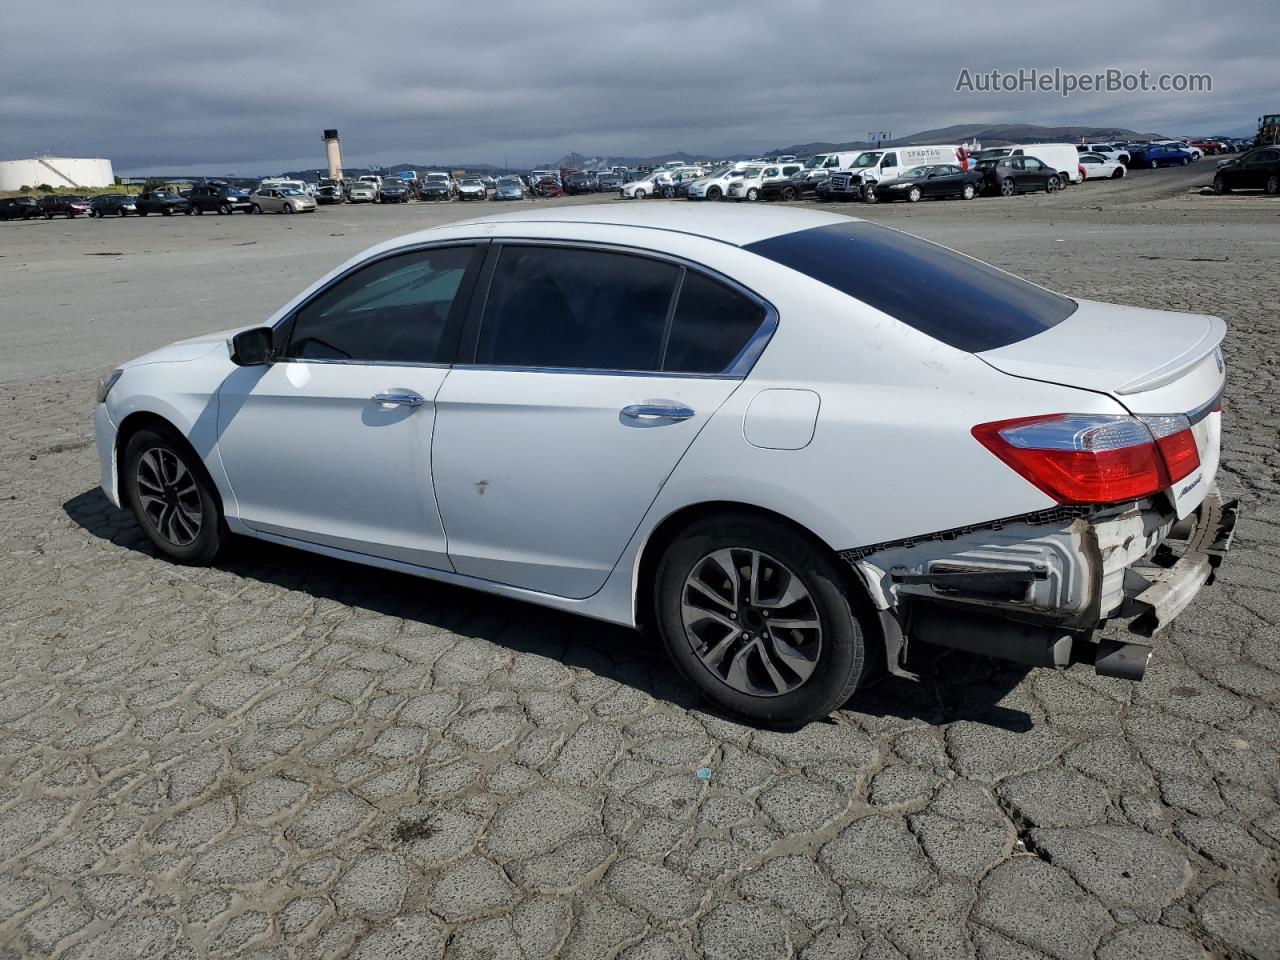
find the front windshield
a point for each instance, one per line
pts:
(508, 182)
(916, 173)
(472, 182)
(868, 159)
(814, 163)
(751, 172)
(290, 192)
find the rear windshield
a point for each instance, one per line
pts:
(962, 302)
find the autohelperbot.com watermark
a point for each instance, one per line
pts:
(1065, 82)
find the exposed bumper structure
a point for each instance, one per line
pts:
(1033, 589)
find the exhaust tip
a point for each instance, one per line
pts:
(1125, 661)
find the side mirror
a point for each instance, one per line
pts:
(252, 348)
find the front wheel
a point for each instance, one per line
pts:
(1184, 161)
(172, 497)
(713, 193)
(914, 194)
(760, 619)
(167, 212)
(1052, 184)
(1007, 188)
(753, 194)
(869, 193)
(789, 193)
(1117, 173)
(639, 194)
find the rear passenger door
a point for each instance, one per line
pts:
(584, 375)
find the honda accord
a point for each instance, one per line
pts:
(793, 443)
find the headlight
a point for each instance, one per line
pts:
(106, 383)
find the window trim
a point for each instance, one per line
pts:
(454, 325)
(737, 369)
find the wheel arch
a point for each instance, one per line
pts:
(142, 419)
(670, 527)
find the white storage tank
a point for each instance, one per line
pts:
(57, 172)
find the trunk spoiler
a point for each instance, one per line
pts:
(1173, 369)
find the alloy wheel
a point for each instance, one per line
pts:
(751, 622)
(169, 496)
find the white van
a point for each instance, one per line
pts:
(1063, 157)
(886, 163)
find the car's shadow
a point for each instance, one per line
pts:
(954, 686)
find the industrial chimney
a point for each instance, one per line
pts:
(333, 150)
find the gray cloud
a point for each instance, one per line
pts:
(243, 87)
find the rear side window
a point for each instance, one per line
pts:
(580, 309)
(712, 324)
(393, 311)
(964, 303)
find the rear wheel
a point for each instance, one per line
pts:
(759, 618)
(753, 193)
(1184, 161)
(168, 212)
(1007, 188)
(225, 209)
(199, 211)
(172, 496)
(1273, 185)
(255, 209)
(968, 193)
(789, 193)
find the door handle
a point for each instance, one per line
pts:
(657, 411)
(409, 399)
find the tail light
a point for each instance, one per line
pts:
(1086, 458)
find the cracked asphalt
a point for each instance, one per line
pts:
(290, 757)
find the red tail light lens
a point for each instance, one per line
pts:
(1083, 458)
(1177, 444)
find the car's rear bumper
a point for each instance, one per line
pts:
(1034, 589)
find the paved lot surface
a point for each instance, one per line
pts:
(290, 757)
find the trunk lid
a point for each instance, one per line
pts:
(1154, 362)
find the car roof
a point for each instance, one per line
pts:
(727, 223)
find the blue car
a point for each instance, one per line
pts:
(1160, 155)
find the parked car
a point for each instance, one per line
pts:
(164, 202)
(19, 208)
(509, 188)
(753, 179)
(1155, 155)
(548, 186)
(716, 184)
(282, 200)
(220, 197)
(786, 494)
(363, 191)
(394, 190)
(472, 188)
(872, 166)
(919, 183)
(608, 182)
(581, 181)
(1063, 157)
(330, 192)
(1256, 170)
(1111, 151)
(112, 205)
(1095, 166)
(1010, 175)
(437, 186)
(652, 184)
(63, 205)
(372, 179)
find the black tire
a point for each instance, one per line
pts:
(167, 211)
(199, 211)
(1052, 184)
(753, 193)
(870, 194)
(225, 209)
(255, 209)
(1117, 173)
(1184, 161)
(842, 660)
(914, 194)
(1007, 187)
(969, 192)
(142, 213)
(1273, 185)
(122, 213)
(48, 215)
(789, 193)
(212, 534)
(714, 193)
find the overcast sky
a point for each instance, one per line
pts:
(246, 87)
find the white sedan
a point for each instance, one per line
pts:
(656, 184)
(793, 443)
(1095, 166)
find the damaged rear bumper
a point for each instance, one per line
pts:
(1033, 589)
